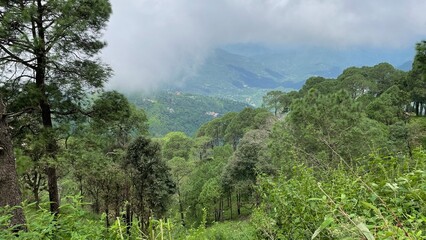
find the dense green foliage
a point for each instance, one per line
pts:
(339, 159)
(175, 111)
(383, 200)
(151, 178)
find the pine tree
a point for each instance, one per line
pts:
(48, 50)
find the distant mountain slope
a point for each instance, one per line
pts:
(236, 77)
(406, 66)
(176, 111)
(246, 72)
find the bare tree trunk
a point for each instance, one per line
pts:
(128, 209)
(96, 205)
(117, 201)
(10, 194)
(107, 202)
(36, 198)
(128, 218)
(222, 217)
(80, 185)
(238, 203)
(107, 215)
(216, 211)
(417, 109)
(230, 203)
(36, 189)
(52, 185)
(143, 222)
(182, 216)
(33, 179)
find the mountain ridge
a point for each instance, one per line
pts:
(246, 72)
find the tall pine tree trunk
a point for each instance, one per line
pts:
(117, 201)
(238, 203)
(107, 203)
(230, 203)
(128, 216)
(417, 109)
(46, 114)
(222, 211)
(10, 194)
(182, 215)
(107, 215)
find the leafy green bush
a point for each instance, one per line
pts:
(72, 223)
(385, 202)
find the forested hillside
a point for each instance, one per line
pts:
(176, 111)
(341, 158)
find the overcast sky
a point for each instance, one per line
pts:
(150, 41)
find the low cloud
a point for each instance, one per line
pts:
(151, 42)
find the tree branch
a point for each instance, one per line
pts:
(58, 36)
(73, 111)
(17, 114)
(16, 58)
(21, 129)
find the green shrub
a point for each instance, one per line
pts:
(73, 222)
(385, 202)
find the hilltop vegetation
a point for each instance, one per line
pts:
(176, 111)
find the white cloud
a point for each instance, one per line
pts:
(151, 41)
